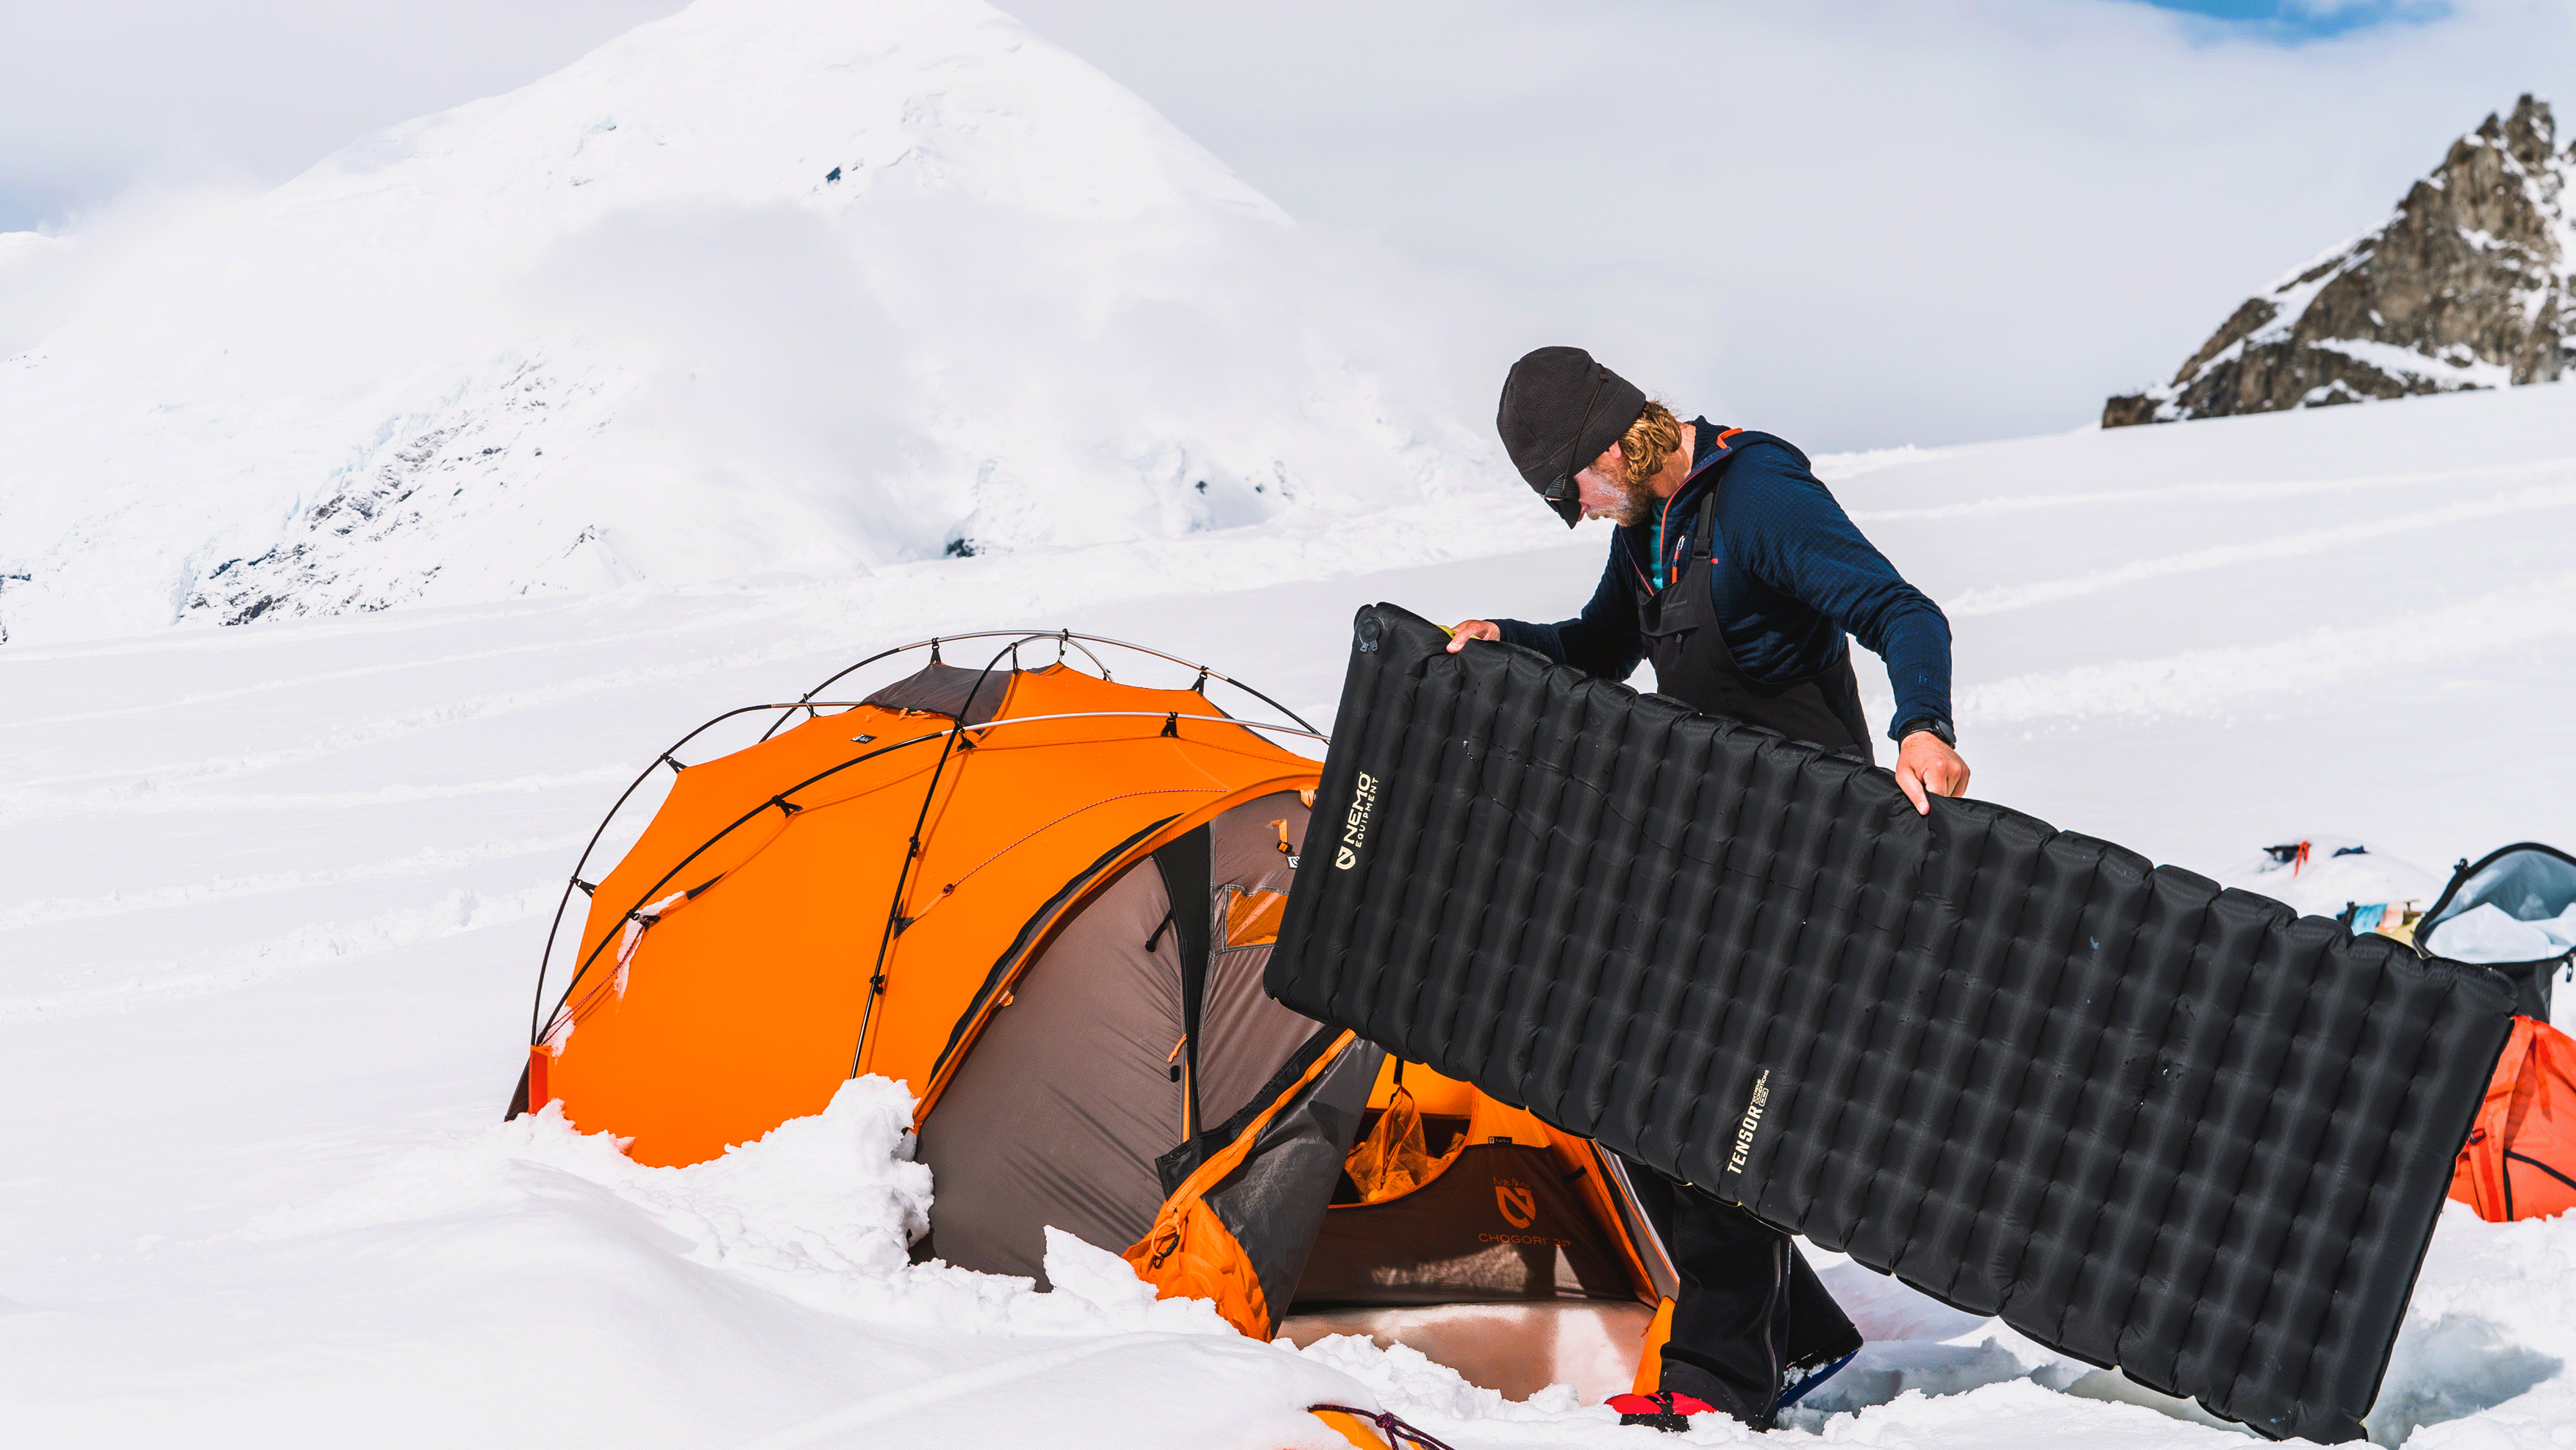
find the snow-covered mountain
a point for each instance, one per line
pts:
(756, 288)
(2466, 285)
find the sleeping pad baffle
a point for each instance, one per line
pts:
(2149, 1122)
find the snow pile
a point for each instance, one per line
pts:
(821, 1210)
(2488, 1334)
(756, 288)
(2337, 872)
(549, 1289)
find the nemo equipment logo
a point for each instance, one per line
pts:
(1355, 822)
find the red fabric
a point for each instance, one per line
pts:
(2521, 1153)
(1646, 1405)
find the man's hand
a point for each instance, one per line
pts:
(1467, 629)
(1923, 764)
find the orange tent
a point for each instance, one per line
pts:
(847, 871)
(1043, 898)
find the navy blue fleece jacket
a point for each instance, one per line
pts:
(1791, 575)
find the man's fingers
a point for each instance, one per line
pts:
(1926, 767)
(1467, 629)
(1908, 781)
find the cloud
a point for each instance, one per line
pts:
(46, 279)
(1863, 224)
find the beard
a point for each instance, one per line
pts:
(1635, 506)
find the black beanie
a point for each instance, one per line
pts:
(1560, 410)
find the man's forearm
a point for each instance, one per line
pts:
(1547, 639)
(1918, 668)
(1579, 643)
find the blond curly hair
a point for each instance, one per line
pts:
(1651, 440)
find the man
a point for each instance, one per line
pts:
(1737, 573)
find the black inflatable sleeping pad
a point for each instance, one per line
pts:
(2149, 1122)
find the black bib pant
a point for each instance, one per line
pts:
(1750, 1311)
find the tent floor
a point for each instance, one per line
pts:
(1519, 1349)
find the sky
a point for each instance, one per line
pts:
(1855, 224)
(2292, 22)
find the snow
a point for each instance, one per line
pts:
(2339, 872)
(642, 335)
(1835, 467)
(2290, 300)
(779, 1269)
(276, 892)
(2455, 367)
(263, 984)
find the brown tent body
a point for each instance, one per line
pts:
(998, 886)
(1072, 1092)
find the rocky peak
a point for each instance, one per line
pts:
(2466, 285)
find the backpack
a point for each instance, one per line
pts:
(2515, 911)
(2520, 1160)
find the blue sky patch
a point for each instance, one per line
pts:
(2293, 22)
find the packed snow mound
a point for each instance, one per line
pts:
(782, 1265)
(752, 289)
(2332, 874)
(821, 1210)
